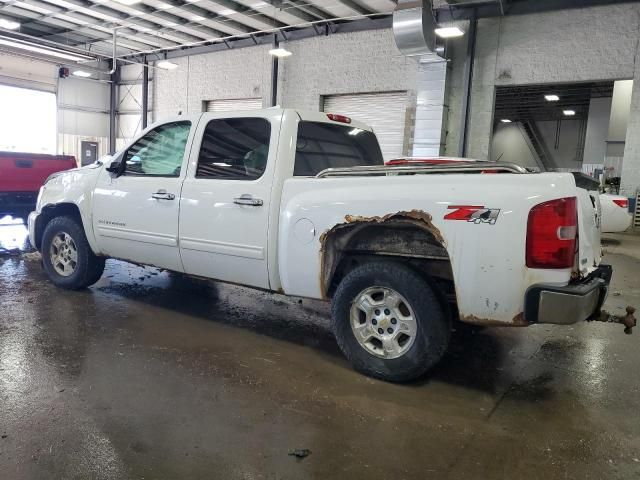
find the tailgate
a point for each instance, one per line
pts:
(27, 173)
(589, 216)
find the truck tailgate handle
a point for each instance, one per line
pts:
(24, 163)
(163, 195)
(248, 199)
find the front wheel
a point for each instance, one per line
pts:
(67, 257)
(389, 322)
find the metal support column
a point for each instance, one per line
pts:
(466, 88)
(274, 74)
(145, 92)
(113, 107)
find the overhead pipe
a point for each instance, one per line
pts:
(114, 60)
(414, 27)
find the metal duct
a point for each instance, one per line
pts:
(413, 27)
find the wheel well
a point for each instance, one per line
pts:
(406, 237)
(50, 212)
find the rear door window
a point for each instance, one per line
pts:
(234, 149)
(325, 145)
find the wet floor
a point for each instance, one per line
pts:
(149, 375)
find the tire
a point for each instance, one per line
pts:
(85, 270)
(414, 352)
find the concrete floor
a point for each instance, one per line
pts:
(148, 376)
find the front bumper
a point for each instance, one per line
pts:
(569, 304)
(31, 225)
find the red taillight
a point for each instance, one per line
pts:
(623, 203)
(338, 118)
(552, 231)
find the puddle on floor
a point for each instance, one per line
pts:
(14, 237)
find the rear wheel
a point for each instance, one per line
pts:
(389, 322)
(67, 257)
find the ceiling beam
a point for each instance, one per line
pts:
(368, 23)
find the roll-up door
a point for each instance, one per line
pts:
(236, 104)
(384, 112)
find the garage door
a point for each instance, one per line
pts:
(385, 112)
(237, 104)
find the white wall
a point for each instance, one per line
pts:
(620, 110)
(230, 74)
(565, 154)
(510, 144)
(595, 148)
(345, 63)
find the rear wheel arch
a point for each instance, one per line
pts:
(407, 237)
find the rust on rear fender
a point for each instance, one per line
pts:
(332, 240)
(517, 321)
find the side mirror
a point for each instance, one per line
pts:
(114, 167)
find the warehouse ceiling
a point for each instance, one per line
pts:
(151, 25)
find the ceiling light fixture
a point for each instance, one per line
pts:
(552, 98)
(505, 120)
(449, 32)
(569, 113)
(29, 47)
(9, 24)
(81, 73)
(128, 2)
(280, 52)
(227, 12)
(166, 65)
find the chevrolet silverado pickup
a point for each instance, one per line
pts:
(302, 204)
(22, 175)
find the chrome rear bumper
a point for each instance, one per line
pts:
(569, 304)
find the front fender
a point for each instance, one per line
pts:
(67, 193)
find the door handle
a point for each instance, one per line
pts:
(163, 195)
(247, 199)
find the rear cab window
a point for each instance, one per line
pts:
(325, 145)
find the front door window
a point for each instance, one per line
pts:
(160, 152)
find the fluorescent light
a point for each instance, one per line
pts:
(552, 98)
(128, 2)
(163, 6)
(505, 120)
(44, 51)
(569, 113)
(196, 18)
(166, 65)
(449, 32)
(81, 73)
(226, 12)
(280, 52)
(9, 24)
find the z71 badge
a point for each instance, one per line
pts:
(473, 213)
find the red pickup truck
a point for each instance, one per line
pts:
(22, 175)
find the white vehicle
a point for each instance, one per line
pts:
(615, 213)
(300, 203)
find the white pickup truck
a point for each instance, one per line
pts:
(301, 203)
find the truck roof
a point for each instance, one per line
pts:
(336, 118)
